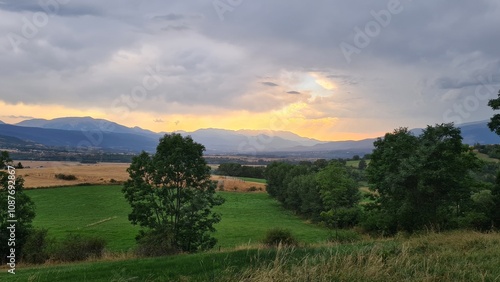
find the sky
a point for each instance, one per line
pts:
(330, 70)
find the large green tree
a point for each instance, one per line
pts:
(172, 196)
(422, 181)
(14, 205)
(494, 126)
(494, 123)
(339, 194)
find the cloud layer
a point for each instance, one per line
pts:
(328, 68)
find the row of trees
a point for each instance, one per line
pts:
(238, 170)
(322, 191)
(426, 181)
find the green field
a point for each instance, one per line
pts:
(249, 179)
(485, 157)
(103, 211)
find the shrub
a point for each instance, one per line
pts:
(152, 244)
(475, 220)
(63, 176)
(76, 247)
(341, 217)
(344, 236)
(252, 189)
(276, 236)
(35, 250)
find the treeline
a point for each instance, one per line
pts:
(431, 181)
(322, 191)
(238, 170)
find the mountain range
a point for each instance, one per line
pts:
(107, 135)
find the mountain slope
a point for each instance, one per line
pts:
(105, 134)
(81, 139)
(304, 141)
(85, 124)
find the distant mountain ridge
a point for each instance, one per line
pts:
(85, 124)
(105, 134)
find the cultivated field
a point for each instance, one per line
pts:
(42, 174)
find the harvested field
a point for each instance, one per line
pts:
(235, 184)
(42, 174)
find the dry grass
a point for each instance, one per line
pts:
(458, 256)
(238, 185)
(42, 174)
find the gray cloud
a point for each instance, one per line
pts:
(268, 83)
(427, 59)
(293, 92)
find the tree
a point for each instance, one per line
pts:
(4, 159)
(17, 207)
(362, 164)
(494, 123)
(172, 196)
(422, 181)
(340, 195)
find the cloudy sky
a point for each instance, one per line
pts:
(331, 70)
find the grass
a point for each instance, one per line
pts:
(485, 157)
(103, 211)
(247, 216)
(249, 179)
(455, 256)
(92, 210)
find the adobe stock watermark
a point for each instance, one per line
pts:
(486, 90)
(38, 20)
(138, 94)
(223, 6)
(11, 219)
(363, 35)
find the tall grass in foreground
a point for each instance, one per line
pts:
(460, 256)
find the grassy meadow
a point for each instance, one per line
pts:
(103, 211)
(455, 256)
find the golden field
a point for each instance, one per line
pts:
(42, 174)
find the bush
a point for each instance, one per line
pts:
(377, 222)
(252, 189)
(344, 236)
(63, 176)
(76, 247)
(341, 217)
(35, 250)
(276, 236)
(153, 244)
(475, 220)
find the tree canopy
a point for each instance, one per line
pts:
(171, 194)
(14, 205)
(422, 180)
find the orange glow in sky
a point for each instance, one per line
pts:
(287, 119)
